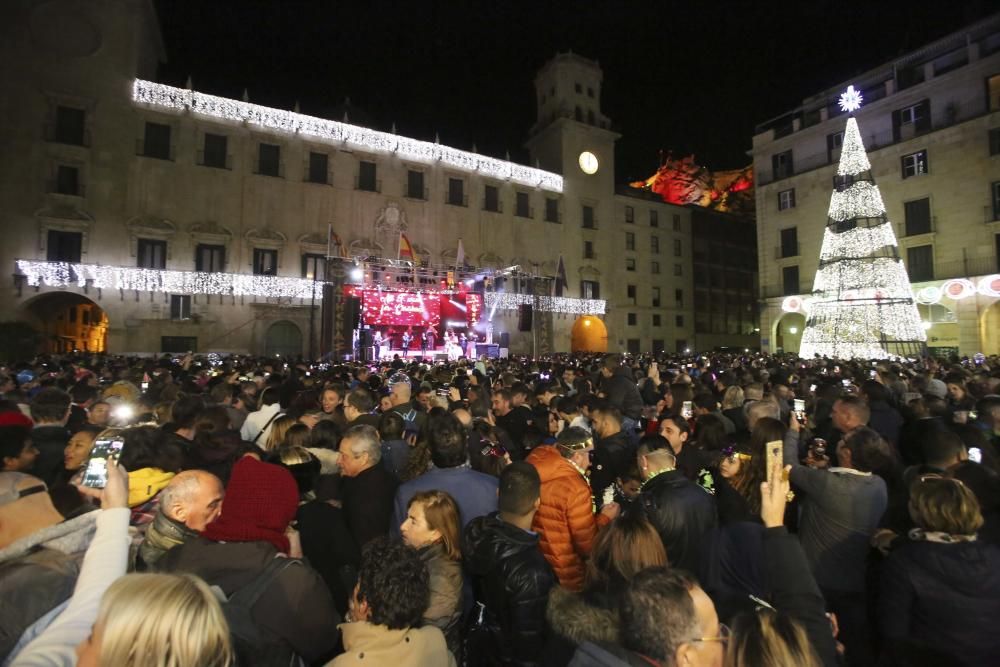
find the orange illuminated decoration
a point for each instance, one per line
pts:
(683, 182)
(589, 335)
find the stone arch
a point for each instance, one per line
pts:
(283, 338)
(67, 321)
(787, 332)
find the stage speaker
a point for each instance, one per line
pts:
(505, 340)
(352, 312)
(524, 317)
(366, 338)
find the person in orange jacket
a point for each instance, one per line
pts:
(566, 520)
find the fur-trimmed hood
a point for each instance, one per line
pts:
(572, 616)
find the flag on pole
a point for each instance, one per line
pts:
(561, 282)
(460, 256)
(405, 248)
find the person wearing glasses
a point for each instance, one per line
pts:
(940, 589)
(566, 519)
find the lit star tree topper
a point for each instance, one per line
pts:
(862, 304)
(850, 100)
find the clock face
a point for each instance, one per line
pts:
(588, 162)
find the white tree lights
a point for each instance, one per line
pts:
(862, 305)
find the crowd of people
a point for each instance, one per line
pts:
(723, 509)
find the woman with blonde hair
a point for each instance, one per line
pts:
(940, 590)
(279, 429)
(732, 406)
(158, 619)
(433, 528)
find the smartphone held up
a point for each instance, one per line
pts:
(96, 473)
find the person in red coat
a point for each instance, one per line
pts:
(566, 521)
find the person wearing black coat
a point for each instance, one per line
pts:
(940, 590)
(620, 388)
(511, 579)
(613, 454)
(368, 488)
(682, 512)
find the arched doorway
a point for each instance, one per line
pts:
(68, 322)
(589, 335)
(788, 332)
(284, 339)
(989, 329)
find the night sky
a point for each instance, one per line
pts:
(684, 80)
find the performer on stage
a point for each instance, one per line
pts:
(377, 343)
(407, 337)
(423, 342)
(451, 346)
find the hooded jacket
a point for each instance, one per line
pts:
(512, 580)
(683, 514)
(575, 618)
(162, 535)
(38, 573)
(943, 597)
(369, 644)
(565, 520)
(445, 580)
(145, 483)
(623, 392)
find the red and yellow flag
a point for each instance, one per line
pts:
(405, 248)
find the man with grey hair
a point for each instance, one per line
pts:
(760, 409)
(369, 488)
(191, 501)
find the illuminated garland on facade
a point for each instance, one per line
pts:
(862, 305)
(65, 274)
(182, 99)
(545, 304)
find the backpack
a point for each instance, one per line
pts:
(252, 644)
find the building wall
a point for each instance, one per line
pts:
(125, 196)
(961, 88)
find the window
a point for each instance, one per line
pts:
(214, 153)
(269, 160)
(629, 214)
(590, 91)
(151, 254)
(790, 242)
(995, 141)
(588, 250)
(590, 289)
(679, 298)
(678, 269)
(630, 292)
(180, 307)
(679, 321)
(654, 268)
(914, 164)
(633, 319)
(456, 192)
(654, 243)
(70, 126)
(993, 90)
(265, 262)
(577, 87)
(657, 320)
(833, 143)
(633, 345)
(654, 218)
(578, 114)
(491, 199)
(790, 280)
(367, 176)
(658, 345)
(630, 263)
(156, 141)
(319, 168)
(920, 263)
(551, 209)
(588, 218)
(655, 301)
(995, 191)
(918, 216)
(912, 120)
(68, 181)
(629, 241)
(522, 205)
(677, 248)
(786, 199)
(313, 266)
(781, 165)
(209, 258)
(63, 246)
(677, 222)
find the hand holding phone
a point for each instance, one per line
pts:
(775, 459)
(686, 411)
(800, 409)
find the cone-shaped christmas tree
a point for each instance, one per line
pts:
(862, 305)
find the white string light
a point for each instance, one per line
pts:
(546, 304)
(861, 200)
(168, 97)
(64, 274)
(853, 157)
(855, 242)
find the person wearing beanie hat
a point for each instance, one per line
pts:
(937, 388)
(234, 551)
